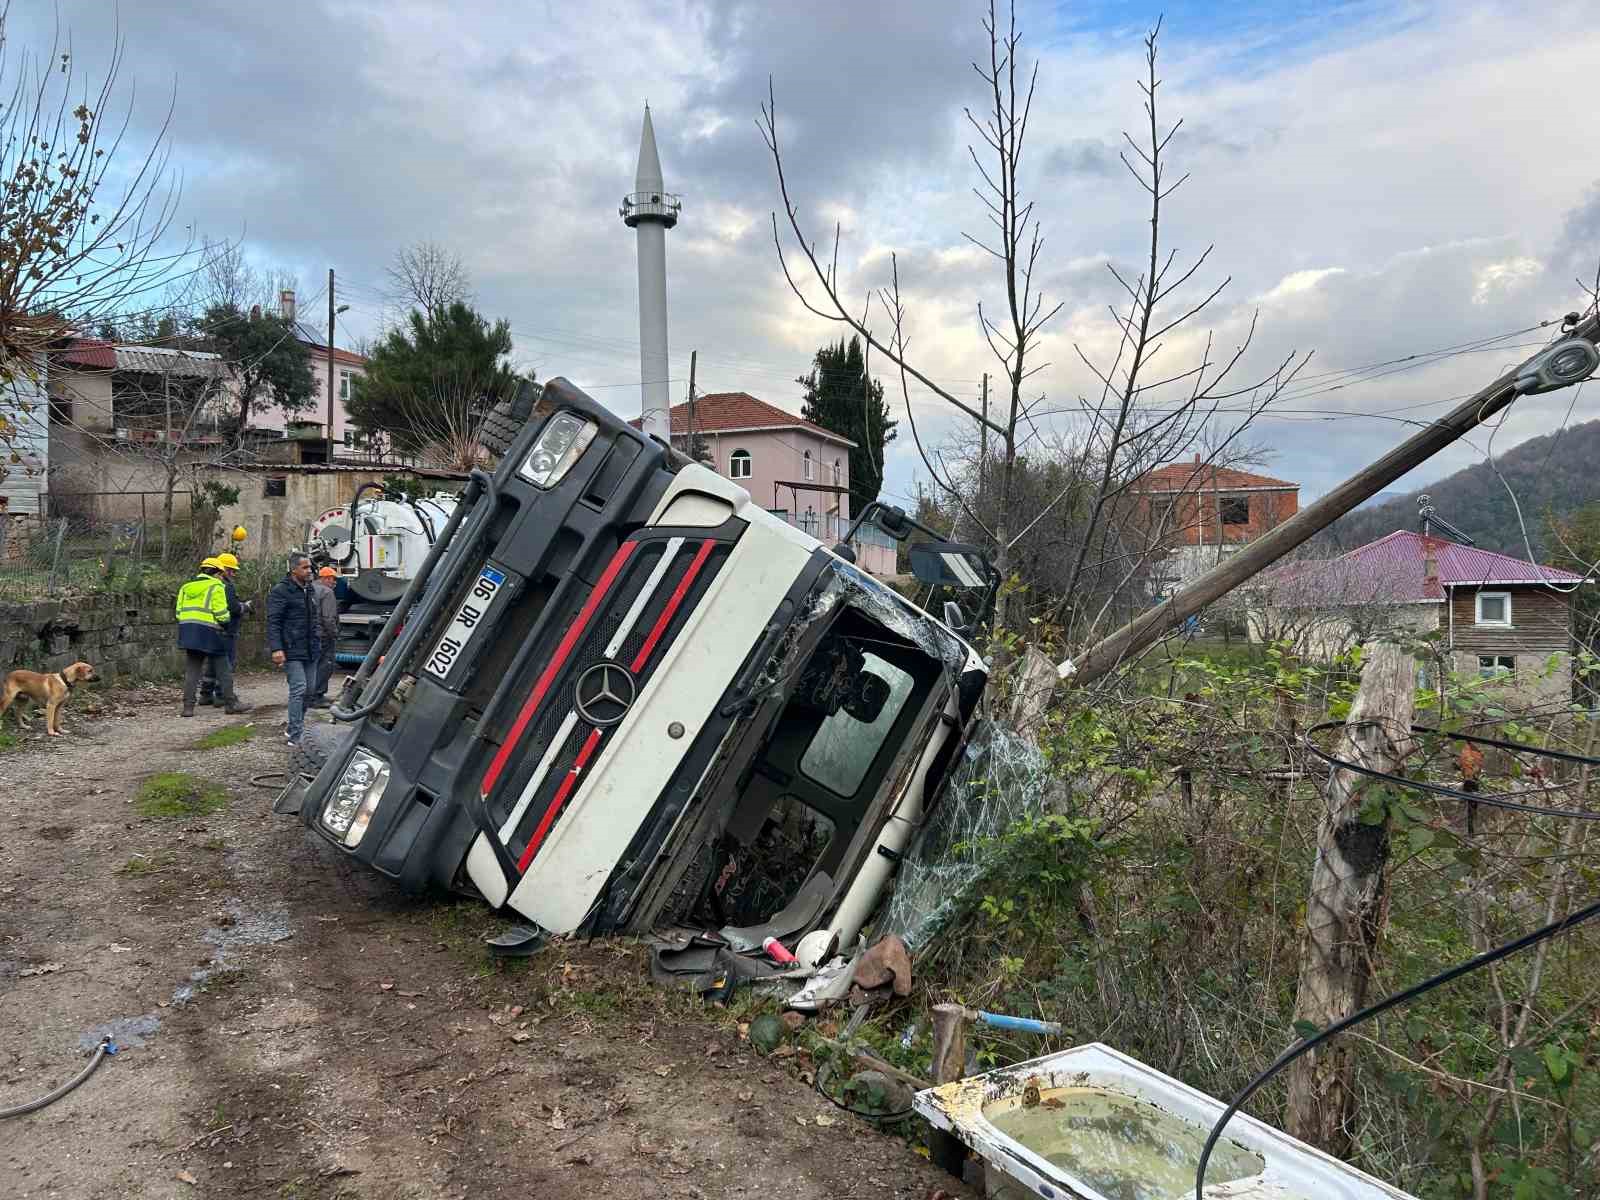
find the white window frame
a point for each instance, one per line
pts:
(344, 384)
(740, 457)
(1477, 610)
(838, 472)
(810, 467)
(1493, 666)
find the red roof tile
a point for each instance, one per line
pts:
(319, 351)
(729, 412)
(1194, 477)
(89, 352)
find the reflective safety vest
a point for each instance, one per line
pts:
(203, 601)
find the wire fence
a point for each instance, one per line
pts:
(101, 541)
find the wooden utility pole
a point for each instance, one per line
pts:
(331, 315)
(694, 456)
(1346, 907)
(1110, 652)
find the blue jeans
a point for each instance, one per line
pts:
(299, 675)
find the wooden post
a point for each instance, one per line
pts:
(949, 1064)
(1348, 901)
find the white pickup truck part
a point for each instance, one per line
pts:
(621, 695)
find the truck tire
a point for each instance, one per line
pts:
(318, 743)
(507, 418)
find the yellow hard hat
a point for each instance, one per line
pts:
(239, 533)
(227, 562)
(211, 562)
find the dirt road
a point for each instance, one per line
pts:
(293, 1028)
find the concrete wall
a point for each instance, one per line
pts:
(125, 637)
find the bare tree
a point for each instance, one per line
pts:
(427, 277)
(1125, 431)
(82, 210)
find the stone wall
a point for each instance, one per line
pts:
(125, 637)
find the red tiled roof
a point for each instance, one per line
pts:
(1391, 570)
(90, 352)
(729, 412)
(1194, 477)
(319, 350)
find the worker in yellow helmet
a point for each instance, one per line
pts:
(203, 618)
(228, 567)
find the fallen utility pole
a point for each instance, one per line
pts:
(1110, 652)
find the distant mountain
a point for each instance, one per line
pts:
(1555, 473)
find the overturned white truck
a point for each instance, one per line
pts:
(621, 695)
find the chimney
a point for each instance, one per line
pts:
(1430, 566)
(286, 304)
(1197, 458)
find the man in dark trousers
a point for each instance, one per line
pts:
(237, 609)
(328, 627)
(293, 638)
(202, 612)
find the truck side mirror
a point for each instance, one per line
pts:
(946, 564)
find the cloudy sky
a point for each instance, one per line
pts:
(1379, 180)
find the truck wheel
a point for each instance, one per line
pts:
(506, 419)
(317, 744)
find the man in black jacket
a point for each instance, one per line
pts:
(293, 638)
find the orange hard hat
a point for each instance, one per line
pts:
(327, 573)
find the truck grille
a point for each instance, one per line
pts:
(635, 614)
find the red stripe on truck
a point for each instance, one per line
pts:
(667, 613)
(557, 661)
(559, 799)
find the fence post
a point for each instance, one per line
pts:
(55, 558)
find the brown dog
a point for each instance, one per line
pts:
(49, 690)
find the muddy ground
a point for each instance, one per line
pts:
(291, 1027)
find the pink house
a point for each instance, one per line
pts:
(348, 367)
(789, 465)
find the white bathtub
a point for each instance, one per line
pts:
(1293, 1170)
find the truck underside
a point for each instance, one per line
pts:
(629, 697)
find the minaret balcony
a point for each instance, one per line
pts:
(662, 207)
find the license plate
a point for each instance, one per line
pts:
(467, 620)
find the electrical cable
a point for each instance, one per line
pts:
(887, 1118)
(1305, 1045)
(1487, 958)
(1492, 799)
(106, 1046)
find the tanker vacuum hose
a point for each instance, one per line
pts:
(106, 1046)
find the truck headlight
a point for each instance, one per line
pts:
(349, 810)
(564, 439)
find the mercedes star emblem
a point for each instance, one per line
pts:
(604, 694)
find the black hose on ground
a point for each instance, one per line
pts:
(106, 1046)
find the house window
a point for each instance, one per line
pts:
(739, 465)
(349, 437)
(809, 466)
(1494, 608)
(1236, 510)
(344, 385)
(837, 473)
(1492, 666)
(275, 485)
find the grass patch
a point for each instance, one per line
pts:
(142, 865)
(8, 741)
(178, 794)
(228, 735)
